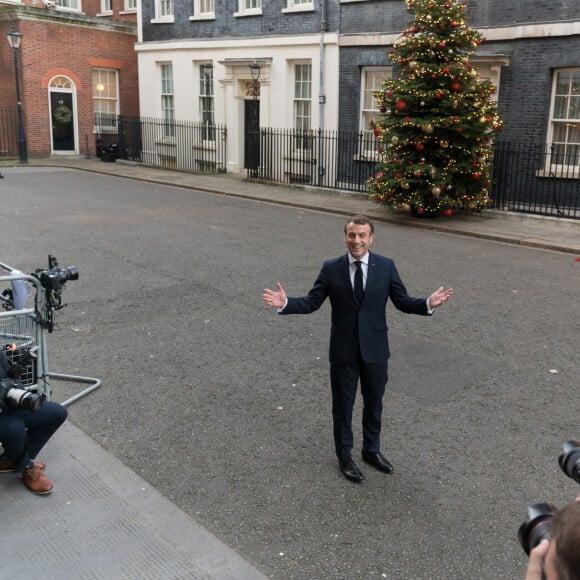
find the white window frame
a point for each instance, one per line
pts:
(207, 95)
(371, 78)
(106, 7)
(69, 5)
(565, 128)
(203, 10)
(130, 6)
(249, 8)
(167, 100)
(107, 93)
(299, 6)
(301, 97)
(164, 11)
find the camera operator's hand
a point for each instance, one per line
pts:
(536, 563)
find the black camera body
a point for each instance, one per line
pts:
(13, 396)
(54, 277)
(53, 280)
(536, 527)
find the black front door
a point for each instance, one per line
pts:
(62, 118)
(252, 136)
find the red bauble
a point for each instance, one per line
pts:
(376, 131)
(382, 109)
(446, 70)
(420, 147)
(455, 86)
(476, 175)
(420, 211)
(401, 105)
(447, 212)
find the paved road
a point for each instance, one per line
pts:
(224, 407)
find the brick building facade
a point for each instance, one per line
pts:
(78, 71)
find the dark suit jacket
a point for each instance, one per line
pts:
(369, 322)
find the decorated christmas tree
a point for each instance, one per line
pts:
(438, 121)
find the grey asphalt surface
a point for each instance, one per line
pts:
(211, 435)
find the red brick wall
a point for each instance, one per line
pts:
(51, 47)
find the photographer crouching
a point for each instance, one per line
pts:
(27, 422)
(551, 537)
(559, 557)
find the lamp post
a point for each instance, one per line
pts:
(14, 39)
(255, 69)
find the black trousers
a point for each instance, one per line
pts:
(24, 433)
(344, 382)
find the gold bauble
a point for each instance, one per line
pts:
(428, 129)
(436, 192)
(404, 185)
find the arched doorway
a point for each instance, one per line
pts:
(63, 122)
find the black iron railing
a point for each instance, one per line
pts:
(328, 159)
(185, 145)
(536, 178)
(539, 179)
(8, 132)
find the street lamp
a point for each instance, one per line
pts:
(14, 39)
(255, 72)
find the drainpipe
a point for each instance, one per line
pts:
(321, 95)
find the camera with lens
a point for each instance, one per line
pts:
(536, 527)
(54, 277)
(13, 396)
(53, 281)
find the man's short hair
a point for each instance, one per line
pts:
(565, 530)
(359, 220)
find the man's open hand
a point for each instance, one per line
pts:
(275, 298)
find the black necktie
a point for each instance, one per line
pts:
(358, 283)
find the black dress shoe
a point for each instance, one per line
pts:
(350, 470)
(378, 461)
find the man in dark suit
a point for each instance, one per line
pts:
(358, 285)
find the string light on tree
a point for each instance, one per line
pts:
(438, 122)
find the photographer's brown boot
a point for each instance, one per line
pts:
(36, 481)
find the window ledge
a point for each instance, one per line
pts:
(129, 11)
(203, 17)
(163, 20)
(367, 157)
(66, 9)
(304, 156)
(107, 13)
(298, 9)
(559, 172)
(170, 141)
(252, 12)
(205, 146)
